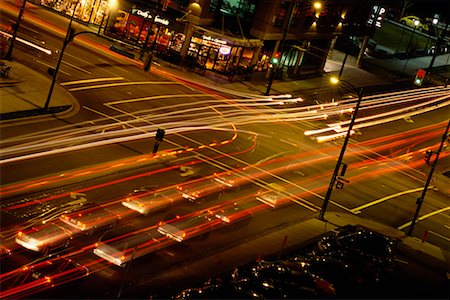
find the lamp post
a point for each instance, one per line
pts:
(67, 39)
(427, 183)
(317, 6)
(416, 23)
(359, 92)
(15, 28)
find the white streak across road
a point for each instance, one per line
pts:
(195, 115)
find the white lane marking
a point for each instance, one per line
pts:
(101, 86)
(424, 217)
(357, 210)
(154, 98)
(47, 65)
(439, 235)
(91, 80)
(76, 67)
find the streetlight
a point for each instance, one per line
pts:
(69, 37)
(335, 80)
(419, 201)
(416, 23)
(317, 5)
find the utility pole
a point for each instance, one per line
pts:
(439, 42)
(15, 28)
(341, 155)
(427, 183)
(280, 47)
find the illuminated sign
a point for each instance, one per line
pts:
(224, 50)
(161, 21)
(376, 16)
(147, 15)
(214, 40)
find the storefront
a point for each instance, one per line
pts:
(89, 11)
(223, 54)
(140, 26)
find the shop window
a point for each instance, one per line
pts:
(241, 8)
(133, 28)
(177, 41)
(222, 58)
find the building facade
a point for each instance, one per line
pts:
(227, 36)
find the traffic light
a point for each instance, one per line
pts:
(420, 76)
(275, 58)
(160, 134)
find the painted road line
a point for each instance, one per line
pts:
(439, 235)
(153, 98)
(76, 67)
(357, 210)
(103, 86)
(49, 66)
(91, 80)
(424, 217)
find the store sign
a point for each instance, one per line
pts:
(224, 50)
(214, 40)
(147, 15)
(161, 21)
(376, 16)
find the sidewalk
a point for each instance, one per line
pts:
(24, 92)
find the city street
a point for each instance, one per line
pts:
(105, 149)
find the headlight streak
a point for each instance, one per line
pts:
(289, 115)
(179, 129)
(30, 44)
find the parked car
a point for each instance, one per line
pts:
(45, 238)
(411, 20)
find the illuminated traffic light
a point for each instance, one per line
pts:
(420, 76)
(275, 58)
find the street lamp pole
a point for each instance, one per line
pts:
(280, 47)
(67, 39)
(16, 28)
(344, 146)
(427, 183)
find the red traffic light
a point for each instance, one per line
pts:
(275, 58)
(420, 76)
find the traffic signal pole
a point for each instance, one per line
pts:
(427, 183)
(334, 177)
(273, 71)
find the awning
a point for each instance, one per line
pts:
(252, 43)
